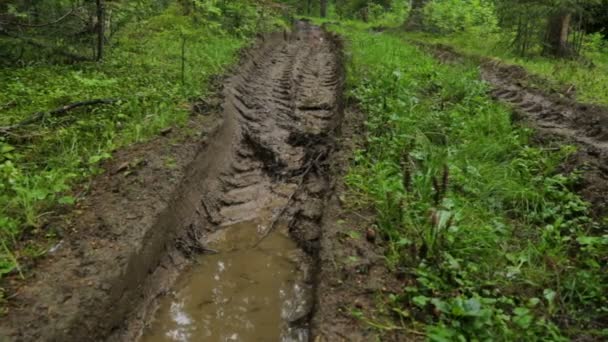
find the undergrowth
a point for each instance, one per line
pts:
(143, 72)
(492, 242)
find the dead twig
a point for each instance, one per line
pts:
(56, 21)
(6, 130)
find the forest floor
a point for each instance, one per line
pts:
(419, 204)
(554, 116)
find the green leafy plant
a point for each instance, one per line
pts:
(492, 237)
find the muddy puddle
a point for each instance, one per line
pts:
(250, 290)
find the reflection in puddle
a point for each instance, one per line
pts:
(243, 293)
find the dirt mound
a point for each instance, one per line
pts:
(151, 212)
(555, 116)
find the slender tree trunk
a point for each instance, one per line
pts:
(323, 8)
(558, 29)
(100, 29)
(414, 21)
(308, 7)
(183, 60)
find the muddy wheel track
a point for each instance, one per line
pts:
(265, 162)
(281, 111)
(284, 104)
(553, 115)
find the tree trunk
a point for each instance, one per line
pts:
(100, 29)
(558, 29)
(414, 21)
(308, 7)
(323, 8)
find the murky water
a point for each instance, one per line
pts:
(243, 293)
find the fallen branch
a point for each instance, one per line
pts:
(275, 219)
(58, 20)
(54, 49)
(6, 130)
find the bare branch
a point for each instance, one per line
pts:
(6, 130)
(54, 49)
(56, 21)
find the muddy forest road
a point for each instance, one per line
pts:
(266, 162)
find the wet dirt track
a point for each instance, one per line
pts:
(284, 106)
(266, 162)
(283, 109)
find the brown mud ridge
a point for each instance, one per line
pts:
(151, 214)
(556, 118)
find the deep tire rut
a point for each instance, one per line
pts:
(555, 115)
(284, 105)
(281, 113)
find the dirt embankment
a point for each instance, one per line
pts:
(266, 156)
(556, 117)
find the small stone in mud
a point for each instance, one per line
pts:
(66, 297)
(105, 287)
(122, 167)
(371, 235)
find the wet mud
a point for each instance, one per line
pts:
(247, 290)
(557, 119)
(139, 259)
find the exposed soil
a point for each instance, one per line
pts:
(352, 272)
(556, 117)
(267, 157)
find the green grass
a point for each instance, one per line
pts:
(142, 70)
(590, 77)
(494, 241)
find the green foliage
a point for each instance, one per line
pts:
(495, 241)
(241, 18)
(448, 16)
(377, 10)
